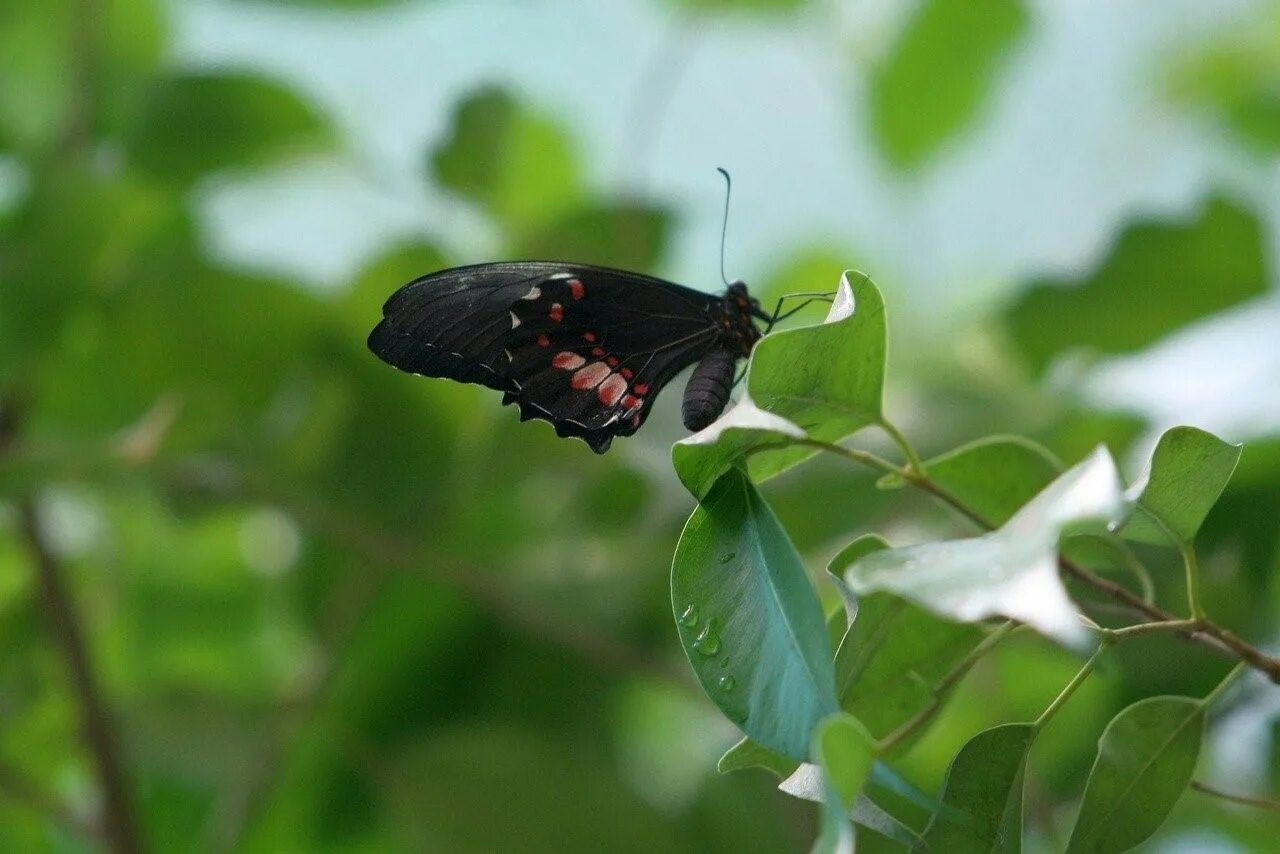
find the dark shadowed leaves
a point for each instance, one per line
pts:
(198, 123)
(1160, 275)
(627, 234)
(984, 791)
(517, 164)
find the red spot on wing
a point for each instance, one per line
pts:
(576, 289)
(589, 337)
(641, 388)
(557, 312)
(611, 390)
(612, 361)
(626, 373)
(631, 402)
(597, 351)
(589, 376)
(544, 341)
(567, 361)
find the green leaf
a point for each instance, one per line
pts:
(1196, 268)
(1146, 757)
(893, 652)
(749, 619)
(826, 379)
(198, 123)
(515, 163)
(626, 234)
(845, 752)
(993, 476)
(1236, 82)
(1189, 470)
(1012, 571)
(983, 790)
(707, 454)
(41, 51)
(747, 754)
(891, 658)
(809, 783)
(934, 82)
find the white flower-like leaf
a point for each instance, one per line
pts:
(744, 415)
(1011, 572)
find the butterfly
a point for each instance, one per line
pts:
(586, 348)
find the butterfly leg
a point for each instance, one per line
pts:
(775, 317)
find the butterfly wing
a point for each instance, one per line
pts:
(586, 348)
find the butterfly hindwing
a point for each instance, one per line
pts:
(585, 348)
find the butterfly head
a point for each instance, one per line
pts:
(737, 309)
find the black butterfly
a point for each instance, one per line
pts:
(586, 348)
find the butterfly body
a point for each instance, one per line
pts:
(586, 348)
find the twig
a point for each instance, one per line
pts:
(1076, 682)
(1208, 633)
(1223, 685)
(98, 732)
(1139, 629)
(1246, 800)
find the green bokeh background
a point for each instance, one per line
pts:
(332, 607)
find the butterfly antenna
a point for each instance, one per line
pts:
(724, 225)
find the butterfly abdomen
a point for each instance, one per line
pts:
(708, 390)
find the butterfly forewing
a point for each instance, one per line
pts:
(585, 348)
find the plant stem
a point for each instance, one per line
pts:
(1223, 685)
(1076, 682)
(944, 685)
(1261, 803)
(913, 459)
(865, 458)
(1151, 628)
(99, 734)
(1193, 579)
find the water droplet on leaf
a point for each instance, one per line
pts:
(689, 616)
(708, 640)
(727, 683)
(728, 556)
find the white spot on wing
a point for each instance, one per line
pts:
(534, 293)
(515, 321)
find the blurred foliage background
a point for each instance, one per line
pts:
(326, 606)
